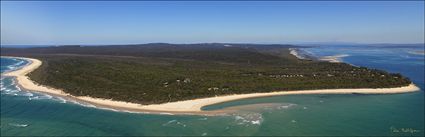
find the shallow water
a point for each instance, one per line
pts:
(25, 113)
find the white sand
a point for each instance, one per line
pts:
(188, 106)
(333, 59)
(294, 52)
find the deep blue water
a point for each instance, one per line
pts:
(29, 113)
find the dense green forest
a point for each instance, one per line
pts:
(159, 73)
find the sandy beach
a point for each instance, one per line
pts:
(181, 107)
(302, 55)
(333, 59)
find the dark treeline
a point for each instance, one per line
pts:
(208, 51)
(159, 73)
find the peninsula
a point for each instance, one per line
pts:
(182, 78)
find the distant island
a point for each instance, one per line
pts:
(160, 73)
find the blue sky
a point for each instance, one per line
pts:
(131, 22)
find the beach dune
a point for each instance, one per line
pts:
(181, 107)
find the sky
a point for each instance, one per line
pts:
(134, 22)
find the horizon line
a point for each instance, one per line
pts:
(265, 43)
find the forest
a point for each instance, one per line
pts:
(161, 72)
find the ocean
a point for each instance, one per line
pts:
(26, 113)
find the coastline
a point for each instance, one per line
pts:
(180, 107)
(300, 54)
(334, 58)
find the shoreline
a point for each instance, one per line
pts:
(300, 54)
(191, 107)
(333, 58)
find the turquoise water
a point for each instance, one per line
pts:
(25, 113)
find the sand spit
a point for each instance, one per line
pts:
(181, 107)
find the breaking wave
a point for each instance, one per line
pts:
(19, 63)
(18, 125)
(247, 115)
(248, 119)
(174, 123)
(8, 86)
(203, 118)
(83, 104)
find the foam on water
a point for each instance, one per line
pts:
(174, 122)
(28, 94)
(203, 118)
(166, 113)
(252, 114)
(110, 109)
(181, 124)
(248, 119)
(18, 125)
(285, 106)
(93, 106)
(40, 96)
(18, 88)
(13, 89)
(281, 106)
(19, 63)
(135, 112)
(169, 122)
(9, 87)
(82, 104)
(59, 99)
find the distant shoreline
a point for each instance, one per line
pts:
(417, 52)
(305, 56)
(192, 107)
